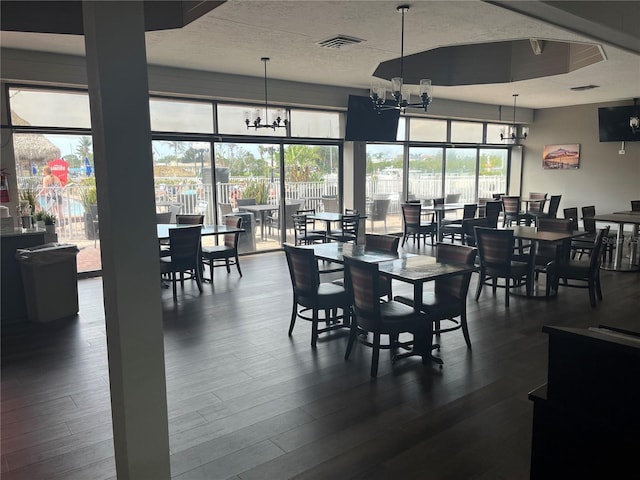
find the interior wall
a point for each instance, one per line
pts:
(605, 178)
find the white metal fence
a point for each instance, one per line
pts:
(75, 222)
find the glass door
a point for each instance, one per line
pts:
(384, 188)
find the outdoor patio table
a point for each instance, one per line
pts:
(261, 209)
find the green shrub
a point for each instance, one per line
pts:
(257, 190)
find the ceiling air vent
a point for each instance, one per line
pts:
(584, 87)
(339, 41)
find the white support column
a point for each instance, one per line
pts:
(355, 173)
(119, 99)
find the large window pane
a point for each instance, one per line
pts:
(74, 201)
(427, 130)
(493, 132)
(384, 188)
(466, 132)
(425, 173)
(231, 120)
(182, 178)
(315, 124)
(492, 174)
(460, 174)
(181, 116)
(49, 108)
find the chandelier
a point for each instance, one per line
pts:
(512, 130)
(634, 120)
(400, 92)
(254, 119)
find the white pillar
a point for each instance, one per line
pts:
(355, 174)
(118, 94)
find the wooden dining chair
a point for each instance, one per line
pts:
(227, 252)
(184, 248)
(447, 302)
(380, 318)
(185, 219)
(414, 226)
(302, 234)
(578, 273)
(547, 252)
(311, 222)
(493, 208)
(497, 261)
(453, 228)
(348, 231)
(312, 295)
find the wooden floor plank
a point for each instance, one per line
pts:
(247, 401)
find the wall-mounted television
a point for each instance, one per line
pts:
(364, 123)
(613, 124)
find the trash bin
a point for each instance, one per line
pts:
(247, 239)
(50, 280)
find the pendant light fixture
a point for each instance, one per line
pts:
(399, 91)
(254, 119)
(512, 130)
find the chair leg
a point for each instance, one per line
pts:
(506, 297)
(598, 287)
(352, 337)
(592, 293)
(465, 328)
(198, 274)
(226, 262)
(238, 265)
(174, 281)
(294, 314)
(375, 355)
(479, 288)
(314, 328)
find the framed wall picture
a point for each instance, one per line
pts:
(561, 157)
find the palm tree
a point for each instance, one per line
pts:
(83, 149)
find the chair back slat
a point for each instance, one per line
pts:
(361, 279)
(231, 239)
(588, 222)
(511, 204)
(411, 213)
(303, 269)
(383, 243)
(184, 244)
(554, 225)
(189, 219)
(455, 285)
(571, 214)
(495, 247)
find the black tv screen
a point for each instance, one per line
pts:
(364, 123)
(613, 124)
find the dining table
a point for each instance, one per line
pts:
(535, 235)
(417, 270)
(411, 268)
(328, 218)
(621, 219)
(440, 211)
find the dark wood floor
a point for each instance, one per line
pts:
(248, 402)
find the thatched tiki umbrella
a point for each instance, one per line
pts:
(31, 148)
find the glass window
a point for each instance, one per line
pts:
(314, 124)
(181, 116)
(493, 132)
(427, 130)
(384, 188)
(460, 174)
(425, 173)
(182, 176)
(231, 120)
(492, 171)
(49, 108)
(466, 132)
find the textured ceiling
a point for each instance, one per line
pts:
(233, 37)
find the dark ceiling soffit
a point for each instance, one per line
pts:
(490, 62)
(66, 17)
(558, 14)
